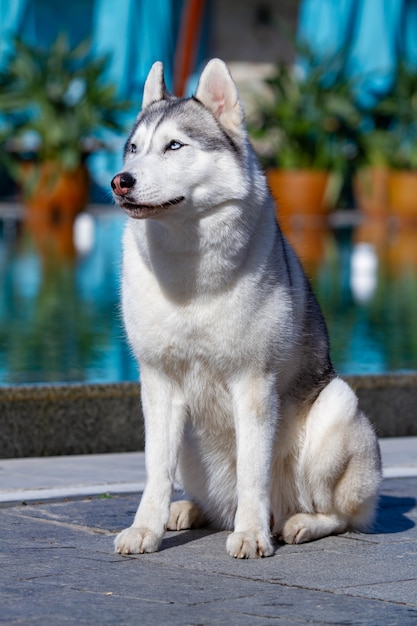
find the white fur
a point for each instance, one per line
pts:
(215, 325)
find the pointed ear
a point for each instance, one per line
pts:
(155, 88)
(218, 92)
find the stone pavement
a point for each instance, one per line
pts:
(58, 566)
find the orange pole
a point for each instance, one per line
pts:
(189, 37)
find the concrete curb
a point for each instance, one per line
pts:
(52, 420)
(48, 420)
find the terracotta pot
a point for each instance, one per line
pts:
(370, 186)
(53, 197)
(298, 193)
(48, 187)
(403, 194)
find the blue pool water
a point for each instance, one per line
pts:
(60, 319)
(59, 316)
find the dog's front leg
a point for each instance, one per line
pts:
(255, 405)
(164, 424)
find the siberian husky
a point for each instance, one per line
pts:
(240, 399)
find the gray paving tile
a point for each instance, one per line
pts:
(57, 566)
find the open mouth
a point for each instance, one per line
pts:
(140, 211)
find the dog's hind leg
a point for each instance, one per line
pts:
(337, 473)
(304, 527)
(185, 514)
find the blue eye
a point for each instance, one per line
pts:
(174, 145)
(133, 148)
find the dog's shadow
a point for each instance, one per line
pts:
(391, 515)
(391, 518)
(181, 538)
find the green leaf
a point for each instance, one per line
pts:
(35, 95)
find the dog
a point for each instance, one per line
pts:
(240, 399)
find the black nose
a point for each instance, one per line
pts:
(122, 182)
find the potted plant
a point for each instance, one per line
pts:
(375, 143)
(403, 151)
(370, 180)
(304, 131)
(53, 102)
(387, 178)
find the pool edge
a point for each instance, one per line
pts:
(49, 420)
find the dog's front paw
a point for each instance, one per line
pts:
(137, 541)
(248, 545)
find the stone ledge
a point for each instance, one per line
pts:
(48, 420)
(390, 402)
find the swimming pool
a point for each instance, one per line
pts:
(59, 307)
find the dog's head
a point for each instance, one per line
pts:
(184, 155)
